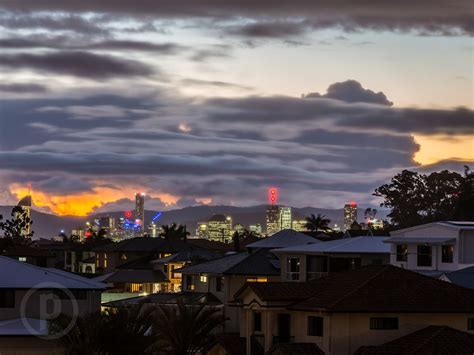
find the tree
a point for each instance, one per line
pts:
(174, 232)
(318, 223)
(418, 198)
(464, 209)
(18, 228)
(185, 329)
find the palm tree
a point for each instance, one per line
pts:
(124, 330)
(318, 223)
(174, 232)
(185, 329)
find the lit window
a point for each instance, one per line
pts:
(105, 260)
(402, 252)
(22, 258)
(257, 279)
(447, 252)
(123, 256)
(203, 278)
(136, 287)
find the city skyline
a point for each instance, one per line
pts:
(213, 104)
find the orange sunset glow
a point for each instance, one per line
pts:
(440, 147)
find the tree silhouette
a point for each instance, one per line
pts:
(317, 223)
(185, 329)
(16, 227)
(174, 232)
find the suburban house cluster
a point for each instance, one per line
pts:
(291, 293)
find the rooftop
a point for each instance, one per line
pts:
(17, 274)
(458, 225)
(463, 277)
(133, 276)
(364, 245)
(146, 244)
(435, 340)
(282, 239)
(373, 288)
(169, 298)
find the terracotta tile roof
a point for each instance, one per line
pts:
(370, 289)
(295, 349)
(436, 340)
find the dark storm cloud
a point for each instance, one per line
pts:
(272, 29)
(352, 91)
(80, 64)
(17, 88)
(67, 43)
(445, 17)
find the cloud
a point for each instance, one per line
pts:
(269, 29)
(352, 91)
(423, 16)
(221, 84)
(77, 63)
(18, 88)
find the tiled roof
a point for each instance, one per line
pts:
(146, 244)
(282, 239)
(189, 256)
(255, 263)
(463, 277)
(233, 344)
(433, 340)
(370, 289)
(295, 349)
(346, 245)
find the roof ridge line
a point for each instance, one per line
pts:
(346, 242)
(359, 286)
(435, 334)
(248, 255)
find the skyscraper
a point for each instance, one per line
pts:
(219, 228)
(273, 219)
(140, 210)
(25, 215)
(350, 214)
(285, 218)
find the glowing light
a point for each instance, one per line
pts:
(273, 195)
(128, 214)
(353, 204)
(156, 216)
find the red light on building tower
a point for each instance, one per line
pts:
(128, 214)
(352, 203)
(272, 195)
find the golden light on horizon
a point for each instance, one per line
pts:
(436, 148)
(82, 204)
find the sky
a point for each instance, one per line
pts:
(212, 102)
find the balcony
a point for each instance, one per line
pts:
(313, 275)
(292, 276)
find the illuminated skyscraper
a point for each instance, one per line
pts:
(140, 210)
(220, 228)
(350, 214)
(273, 219)
(285, 218)
(256, 228)
(25, 215)
(299, 225)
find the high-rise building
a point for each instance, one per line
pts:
(256, 228)
(78, 232)
(350, 214)
(273, 219)
(107, 224)
(24, 215)
(154, 230)
(140, 210)
(285, 218)
(220, 228)
(299, 225)
(202, 231)
(239, 228)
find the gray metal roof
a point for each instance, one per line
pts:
(18, 274)
(284, 238)
(363, 245)
(463, 277)
(420, 240)
(134, 276)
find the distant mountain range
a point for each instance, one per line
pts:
(48, 225)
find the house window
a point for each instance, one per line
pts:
(470, 324)
(218, 284)
(257, 322)
(424, 255)
(447, 252)
(383, 323)
(257, 279)
(189, 283)
(105, 260)
(7, 298)
(203, 278)
(293, 268)
(402, 252)
(315, 326)
(22, 258)
(136, 287)
(123, 256)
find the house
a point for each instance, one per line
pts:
(282, 239)
(433, 248)
(222, 277)
(311, 261)
(346, 310)
(26, 253)
(31, 296)
(433, 340)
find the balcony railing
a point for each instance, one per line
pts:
(313, 275)
(282, 339)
